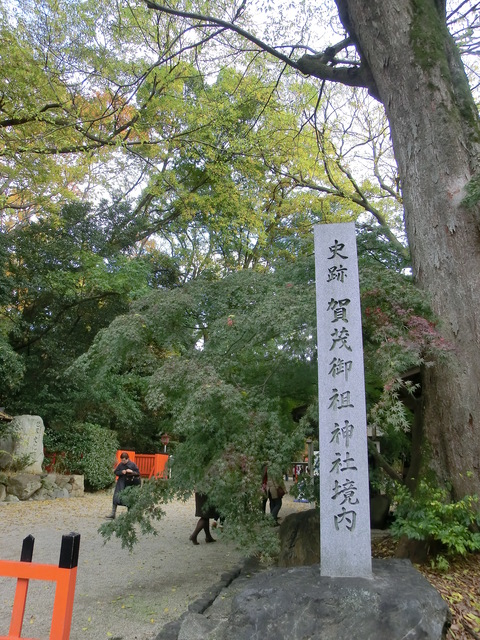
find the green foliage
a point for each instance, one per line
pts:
(400, 333)
(187, 358)
(473, 192)
(215, 362)
(231, 182)
(16, 463)
(430, 515)
(12, 367)
(231, 177)
(220, 365)
(145, 504)
(87, 449)
(66, 277)
(307, 488)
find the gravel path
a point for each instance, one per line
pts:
(119, 595)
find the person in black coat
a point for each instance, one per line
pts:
(128, 475)
(204, 513)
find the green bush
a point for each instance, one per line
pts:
(87, 449)
(306, 488)
(430, 515)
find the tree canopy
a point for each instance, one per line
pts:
(227, 367)
(416, 72)
(161, 169)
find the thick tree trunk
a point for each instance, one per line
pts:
(434, 126)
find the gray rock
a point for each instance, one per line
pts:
(76, 486)
(62, 480)
(379, 510)
(23, 485)
(49, 481)
(25, 443)
(300, 539)
(61, 493)
(198, 627)
(42, 494)
(69, 486)
(44, 486)
(3, 492)
(299, 604)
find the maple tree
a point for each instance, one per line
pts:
(225, 155)
(417, 74)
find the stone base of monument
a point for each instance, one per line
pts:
(294, 602)
(298, 604)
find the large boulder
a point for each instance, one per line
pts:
(379, 511)
(300, 534)
(300, 539)
(23, 485)
(299, 604)
(294, 601)
(24, 444)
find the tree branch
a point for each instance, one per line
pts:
(379, 459)
(227, 25)
(320, 65)
(12, 122)
(356, 75)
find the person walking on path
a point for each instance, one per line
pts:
(127, 474)
(203, 513)
(273, 489)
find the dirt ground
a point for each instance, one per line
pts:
(119, 595)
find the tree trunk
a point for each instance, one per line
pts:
(434, 125)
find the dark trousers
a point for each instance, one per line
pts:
(275, 505)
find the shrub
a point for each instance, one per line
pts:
(87, 449)
(306, 488)
(430, 515)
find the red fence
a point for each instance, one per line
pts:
(150, 465)
(64, 575)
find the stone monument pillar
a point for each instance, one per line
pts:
(25, 442)
(345, 547)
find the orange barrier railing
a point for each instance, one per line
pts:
(145, 463)
(64, 575)
(150, 465)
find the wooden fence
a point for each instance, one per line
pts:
(64, 575)
(150, 465)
